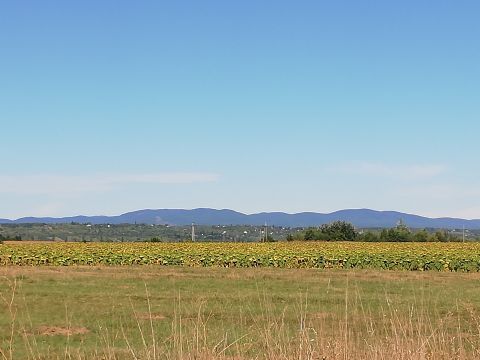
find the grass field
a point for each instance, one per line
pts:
(152, 312)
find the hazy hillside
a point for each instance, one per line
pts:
(359, 217)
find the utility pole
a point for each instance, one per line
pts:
(463, 232)
(193, 232)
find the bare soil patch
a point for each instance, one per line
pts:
(61, 331)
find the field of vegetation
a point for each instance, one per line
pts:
(461, 257)
(272, 300)
(152, 312)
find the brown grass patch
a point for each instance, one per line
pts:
(147, 316)
(321, 315)
(61, 331)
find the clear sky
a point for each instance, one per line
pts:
(112, 106)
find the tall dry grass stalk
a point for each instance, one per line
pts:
(354, 333)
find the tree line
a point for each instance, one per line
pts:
(344, 231)
(10, 237)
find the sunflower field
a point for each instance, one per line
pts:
(463, 257)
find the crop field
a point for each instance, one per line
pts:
(457, 257)
(208, 301)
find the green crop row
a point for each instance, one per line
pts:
(463, 257)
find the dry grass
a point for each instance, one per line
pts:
(238, 314)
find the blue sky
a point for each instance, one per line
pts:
(111, 106)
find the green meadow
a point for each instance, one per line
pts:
(151, 312)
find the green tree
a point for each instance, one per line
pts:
(339, 231)
(270, 238)
(396, 235)
(368, 236)
(442, 236)
(310, 234)
(421, 236)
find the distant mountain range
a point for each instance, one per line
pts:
(363, 218)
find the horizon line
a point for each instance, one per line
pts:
(245, 213)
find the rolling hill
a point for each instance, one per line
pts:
(363, 218)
